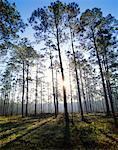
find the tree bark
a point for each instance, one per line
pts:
(77, 79)
(27, 90)
(102, 77)
(83, 89)
(71, 94)
(57, 107)
(23, 88)
(53, 88)
(36, 91)
(109, 88)
(62, 74)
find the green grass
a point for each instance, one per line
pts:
(35, 133)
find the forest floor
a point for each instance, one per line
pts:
(46, 132)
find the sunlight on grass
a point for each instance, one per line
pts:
(17, 132)
(31, 133)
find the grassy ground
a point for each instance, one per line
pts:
(46, 132)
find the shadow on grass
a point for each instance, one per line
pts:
(17, 127)
(109, 129)
(50, 135)
(14, 123)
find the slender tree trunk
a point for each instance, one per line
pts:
(109, 89)
(89, 93)
(66, 115)
(102, 76)
(36, 91)
(87, 96)
(57, 107)
(53, 88)
(13, 100)
(83, 89)
(90, 101)
(6, 108)
(48, 98)
(12, 108)
(4, 105)
(71, 94)
(23, 89)
(3, 112)
(2, 102)
(8, 103)
(41, 97)
(27, 91)
(63, 79)
(86, 101)
(103, 105)
(77, 79)
(17, 105)
(116, 95)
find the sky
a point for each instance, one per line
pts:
(26, 7)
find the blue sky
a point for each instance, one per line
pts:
(27, 6)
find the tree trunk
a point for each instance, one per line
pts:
(71, 94)
(83, 89)
(41, 96)
(109, 89)
(53, 88)
(27, 92)
(86, 101)
(77, 79)
(102, 76)
(48, 98)
(64, 89)
(23, 89)
(36, 93)
(57, 107)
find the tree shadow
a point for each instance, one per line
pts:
(111, 127)
(22, 121)
(11, 125)
(50, 135)
(13, 128)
